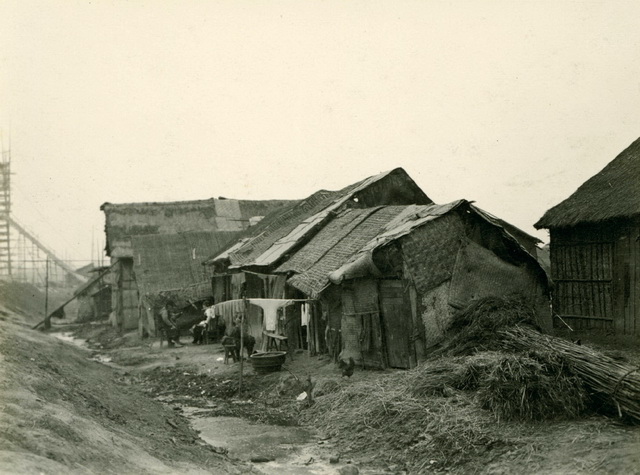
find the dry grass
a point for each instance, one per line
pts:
(443, 413)
(476, 328)
(532, 387)
(493, 367)
(408, 422)
(615, 386)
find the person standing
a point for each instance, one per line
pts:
(171, 327)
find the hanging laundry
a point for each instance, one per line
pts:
(305, 314)
(229, 310)
(270, 309)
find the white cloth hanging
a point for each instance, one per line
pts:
(270, 309)
(305, 314)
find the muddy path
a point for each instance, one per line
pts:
(265, 427)
(258, 426)
(63, 412)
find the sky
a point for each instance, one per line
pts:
(510, 104)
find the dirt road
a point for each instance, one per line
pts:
(129, 406)
(64, 413)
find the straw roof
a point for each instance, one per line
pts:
(173, 261)
(136, 219)
(612, 193)
(281, 233)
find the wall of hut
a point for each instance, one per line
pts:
(95, 304)
(596, 274)
(439, 269)
(124, 296)
(375, 321)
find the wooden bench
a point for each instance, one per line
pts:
(275, 341)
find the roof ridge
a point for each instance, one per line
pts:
(609, 194)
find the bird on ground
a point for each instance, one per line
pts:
(347, 367)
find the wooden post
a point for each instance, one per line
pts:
(47, 320)
(242, 345)
(315, 314)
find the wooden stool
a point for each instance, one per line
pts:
(229, 351)
(162, 333)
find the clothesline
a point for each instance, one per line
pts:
(227, 302)
(270, 307)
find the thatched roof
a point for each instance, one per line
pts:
(137, 219)
(612, 193)
(173, 261)
(281, 233)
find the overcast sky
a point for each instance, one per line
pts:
(511, 104)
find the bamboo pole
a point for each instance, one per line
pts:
(246, 304)
(47, 321)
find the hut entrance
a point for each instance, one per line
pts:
(361, 329)
(397, 320)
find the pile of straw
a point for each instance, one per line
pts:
(532, 387)
(445, 410)
(615, 386)
(438, 377)
(494, 364)
(407, 423)
(476, 328)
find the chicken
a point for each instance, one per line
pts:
(347, 367)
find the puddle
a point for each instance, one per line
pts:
(82, 343)
(69, 338)
(101, 359)
(293, 449)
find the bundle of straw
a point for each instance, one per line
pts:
(438, 377)
(614, 384)
(531, 387)
(476, 327)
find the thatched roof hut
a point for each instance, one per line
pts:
(612, 193)
(126, 221)
(595, 249)
(137, 219)
(400, 273)
(360, 250)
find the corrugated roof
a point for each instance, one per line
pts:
(612, 193)
(279, 234)
(360, 263)
(339, 240)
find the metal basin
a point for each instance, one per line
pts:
(267, 362)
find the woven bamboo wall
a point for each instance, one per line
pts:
(596, 270)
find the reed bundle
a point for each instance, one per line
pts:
(475, 328)
(614, 384)
(535, 386)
